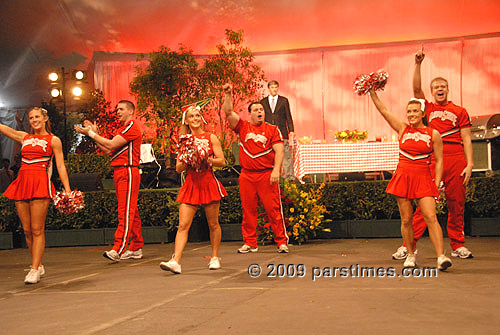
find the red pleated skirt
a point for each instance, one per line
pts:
(30, 184)
(200, 188)
(412, 182)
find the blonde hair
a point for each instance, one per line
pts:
(44, 112)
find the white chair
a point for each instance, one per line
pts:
(148, 156)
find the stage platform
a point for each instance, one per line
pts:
(83, 293)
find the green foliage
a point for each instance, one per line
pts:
(98, 110)
(343, 201)
(233, 64)
(89, 163)
(168, 82)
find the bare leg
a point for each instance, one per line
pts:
(186, 215)
(406, 212)
(38, 209)
(23, 211)
(212, 214)
(428, 208)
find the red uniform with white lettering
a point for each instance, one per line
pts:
(256, 157)
(125, 162)
(201, 187)
(33, 180)
(413, 178)
(449, 120)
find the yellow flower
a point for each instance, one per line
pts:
(305, 210)
(292, 210)
(311, 227)
(301, 216)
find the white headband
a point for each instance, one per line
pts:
(421, 101)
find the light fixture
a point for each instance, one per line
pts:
(55, 92)
(79, 74)
(77, 91)
(53, 76)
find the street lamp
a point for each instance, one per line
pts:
(58, 90)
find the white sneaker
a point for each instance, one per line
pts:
(410, 261)
(171, 265)
(443, 263)
(283, 249)
(32, 277)
(214, 263)
(41, 269)
(245, 248)
(112, 255)
(462, 252)
(401, 253)
(129, 254)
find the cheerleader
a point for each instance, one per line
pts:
(413, 179)
(32, 190)
(200, 188)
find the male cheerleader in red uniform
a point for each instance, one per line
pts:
(453, 123)
(261, 154)
(125, 149)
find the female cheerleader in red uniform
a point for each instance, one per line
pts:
(32, 190)
(199, 188)
(413, 179)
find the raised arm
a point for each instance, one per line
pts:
(16, 135)
(417, 78)
(391, 119)
(437, 144)
(106, 145)
(231, 116)
(61, 168)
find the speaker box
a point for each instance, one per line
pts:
(85, 181)
(486, 155)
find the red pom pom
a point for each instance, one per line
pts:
(193, 152)
(365, 82)
(69, 203)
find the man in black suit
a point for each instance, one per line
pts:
(277, 111)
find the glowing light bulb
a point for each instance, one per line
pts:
(77, 91)
(53, 76)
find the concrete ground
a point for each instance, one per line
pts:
(83, 293)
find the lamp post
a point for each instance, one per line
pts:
(60, 92)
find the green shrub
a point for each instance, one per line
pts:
(89, 163)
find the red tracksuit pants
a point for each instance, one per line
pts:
(127, 183)
(454, 163)
(255, 186)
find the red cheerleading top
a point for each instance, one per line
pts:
(33, 179)
(130, 153)
(201, 187)
(448, 120)
(415, 146)
(256, 145)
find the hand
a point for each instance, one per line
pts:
(82, 130)
(291, 136)
(419, 57)
(275, 177)
(227, 88)
(92, 126)
(466, 173)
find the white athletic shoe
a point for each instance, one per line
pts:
(245, 248)
(443, 263)
(283, 249)
(410, 261)
(112, 255)
(214, 263)
(462, 252)
(401, 253)
(172, 266)
(129, 254)
(41, 269)
(32, 277)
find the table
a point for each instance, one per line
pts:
(345, 157)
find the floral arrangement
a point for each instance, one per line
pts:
(350, 135)
(303, 214)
